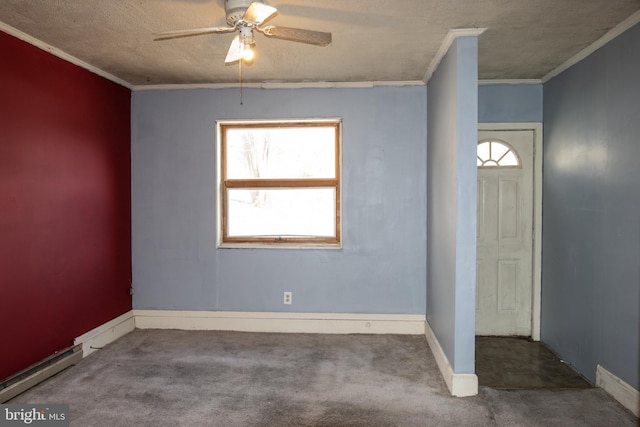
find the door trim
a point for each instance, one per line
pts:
(536, 127)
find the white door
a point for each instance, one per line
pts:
(505, 233)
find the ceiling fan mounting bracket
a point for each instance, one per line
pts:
(235, 10)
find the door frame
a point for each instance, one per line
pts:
(536, 291)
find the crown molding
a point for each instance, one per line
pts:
(60, 54)
(488, 82)
(281, 85)
(446, 44)
(609, 36)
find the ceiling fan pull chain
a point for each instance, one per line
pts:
(240, 78)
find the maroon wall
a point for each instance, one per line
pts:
(65, 203)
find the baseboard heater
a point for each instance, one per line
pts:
(35, 374)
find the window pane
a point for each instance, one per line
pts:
(271, 153)
(281, 212)
(509, 160)
(498, 150)
(483, 151)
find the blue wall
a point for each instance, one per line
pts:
(591, 211)
(451, 198)
(510, 103)
(381, 268)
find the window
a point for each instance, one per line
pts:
(496, 153)
(279, 183)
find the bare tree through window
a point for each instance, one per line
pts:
(256, 157)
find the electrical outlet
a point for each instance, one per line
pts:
(288, 297)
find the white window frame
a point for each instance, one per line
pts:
(287, 243)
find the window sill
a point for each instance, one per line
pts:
(267, 245)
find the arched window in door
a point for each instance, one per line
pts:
(495, 153)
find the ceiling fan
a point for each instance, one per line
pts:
(245, 16)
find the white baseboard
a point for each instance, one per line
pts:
(460, 385)
(320, 323)
(106, 333)
(628, 396)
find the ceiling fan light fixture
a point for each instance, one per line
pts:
(247, 52)
(247, 43)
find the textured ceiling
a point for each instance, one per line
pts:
(373, 40)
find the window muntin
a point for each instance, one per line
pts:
(493, 153)
(279, 183)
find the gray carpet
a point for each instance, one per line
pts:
(189, 378)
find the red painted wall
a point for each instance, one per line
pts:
(65, 203)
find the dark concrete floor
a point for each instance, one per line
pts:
(517, 363)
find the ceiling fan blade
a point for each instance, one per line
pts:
(235, 51)
(317, 38)
(193, 32)
(258, 12)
